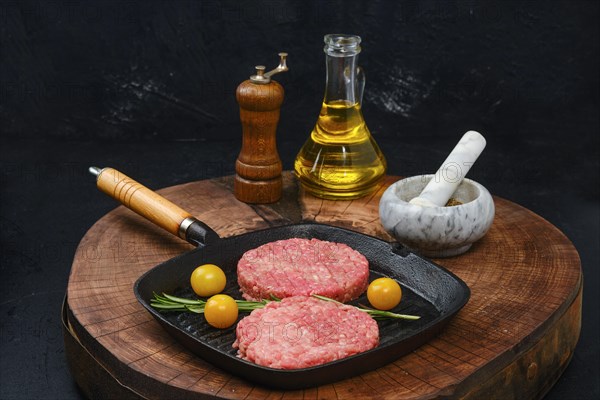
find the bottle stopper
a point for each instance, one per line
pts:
(452, 171)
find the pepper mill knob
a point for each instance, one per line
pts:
(258, 166)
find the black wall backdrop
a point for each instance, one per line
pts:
(149, 87)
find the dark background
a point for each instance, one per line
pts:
(148, 87)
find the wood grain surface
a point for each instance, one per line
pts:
(512, 340)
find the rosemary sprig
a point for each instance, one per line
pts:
(168, 302)
(173, 303)
(375, 314)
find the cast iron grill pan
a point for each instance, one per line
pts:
(429, 290)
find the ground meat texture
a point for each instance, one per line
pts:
(301, 267)
(301, 332)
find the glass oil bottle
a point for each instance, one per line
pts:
(340, 159)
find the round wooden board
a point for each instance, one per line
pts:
(512, 340)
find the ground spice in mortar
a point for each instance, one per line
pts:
(453, 202)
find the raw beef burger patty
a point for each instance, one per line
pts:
(301, 332)
(295, 267)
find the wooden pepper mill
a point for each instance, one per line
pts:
(258, 167)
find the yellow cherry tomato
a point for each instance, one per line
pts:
(208, 279)
(221, 311)
(384, 293)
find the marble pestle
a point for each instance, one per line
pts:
(456, 166)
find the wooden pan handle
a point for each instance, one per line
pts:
(142, 200)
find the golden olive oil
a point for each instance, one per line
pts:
(340, 159)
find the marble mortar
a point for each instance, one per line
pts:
(436, 231)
